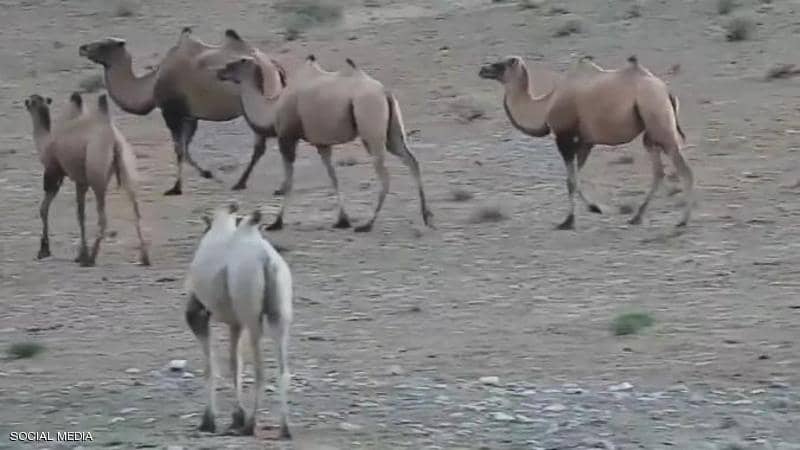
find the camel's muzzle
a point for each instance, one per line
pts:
(489, 72)
(224, 74)
(83, 51)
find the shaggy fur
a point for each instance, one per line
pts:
(594, 106)
(239, 279)
(88, 148)
(324, 109)
(183, 86)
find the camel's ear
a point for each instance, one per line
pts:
(27, 103)
(48, 100)
(238, 220)
(207, 221)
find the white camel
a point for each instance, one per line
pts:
(238, 278)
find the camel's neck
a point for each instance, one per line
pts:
(132, 94)
(527, 113)
(259, 109)
(41, 131)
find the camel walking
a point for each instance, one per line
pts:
(89, 149)
(324, 109)
(238, 278)
(182, 86)
(594, 106)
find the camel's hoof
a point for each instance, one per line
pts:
(568, 224)
(343, 222)
(285, 434)
(144, 260)
(278, 192)
(635, 220)
(206, 174)
(239, 187)
(248, 429)
(208, 425)
(237, 419)
(277, 225)
(86, 263)
(363, 228)
(427, 218)
(43, 253)
(595, 209)
(176, 190)
(682, 224)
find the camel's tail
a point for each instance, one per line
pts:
(675, 105)
(124, 162)
(396, 131)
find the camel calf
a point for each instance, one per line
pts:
(88, 148)
(594, 106)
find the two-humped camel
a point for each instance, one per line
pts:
(88, 148)
(182, 86)
(239, 279)
(594, 106)
(324, 109)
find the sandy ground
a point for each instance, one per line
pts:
(394, 329)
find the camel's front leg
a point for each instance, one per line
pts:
(80, 199)
(567, 147)
(52, 184)
(582, 156)
(259, 148)
(325, 155)
(654, 152)
(288, 150)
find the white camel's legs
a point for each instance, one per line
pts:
(288, 149)
(325, 155)
(654, 152)
(255, 331)
(80, 201)
(376, 149)
(237, 421)
(197, 316)
(582, 156)
(280, 334)
(685, 173)
(102, 223)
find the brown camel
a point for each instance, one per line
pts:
(324, 109)
(594, 106)
(182, 86)
(88, 148)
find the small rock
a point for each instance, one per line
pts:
(490, 381)
(117, 420)
(396, 370)
(502, 417)
(132, 371)
(556, 408)
(177, 365)
(598, 443)
(128, 411)
(622, 387)
(150, 420)
(523, 419)
(696, 398)
(188, 375)
(174, 447)
(346, 426)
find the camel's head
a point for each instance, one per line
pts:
(103, 52)
(236, 71)
(36, 103)
(504, 70)
(222, 216)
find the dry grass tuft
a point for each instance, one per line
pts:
(302, 15)
(488, 214)
(740, 28)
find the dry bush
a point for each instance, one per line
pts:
(488, 214)
(740, 28)
(461, 195)
(302, 15)
(725, 6)
(572, 25)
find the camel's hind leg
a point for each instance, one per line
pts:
(259, 148)
(654, 151)
(189, 129)
(685, 174)
(197, 316)
(80, 200)
(52, 184)
(325, 155)
(102, 223)
(255, 330)
(582, 156)
(288, 149)
(400, 149)
(237, 418)
(280, 334)
(377, 151)
(144, 256)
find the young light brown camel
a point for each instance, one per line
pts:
(182, 86)
(594, 106)
(89, 149)
(324, 109)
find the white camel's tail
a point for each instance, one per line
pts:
(124, 165)
(396, 131)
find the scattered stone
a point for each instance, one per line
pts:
(502, 417)
(490, 381)
(188, 375)
(622, 387)
(555, 408)
(177, 365)
(116, 420)
(598, 443)
(696, 398)
(396, 370)
(133, 371)
(128, 411)
(347, 426)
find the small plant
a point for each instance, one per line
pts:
(569, 27)
(92, 83)
(460, 195)
(634, 11)
(301, 15)
(725, 6)
(24, 350)
(529, 4)
(488, 214)
(631, 323)
(125, 9)
(739, 29)
(782, 71)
